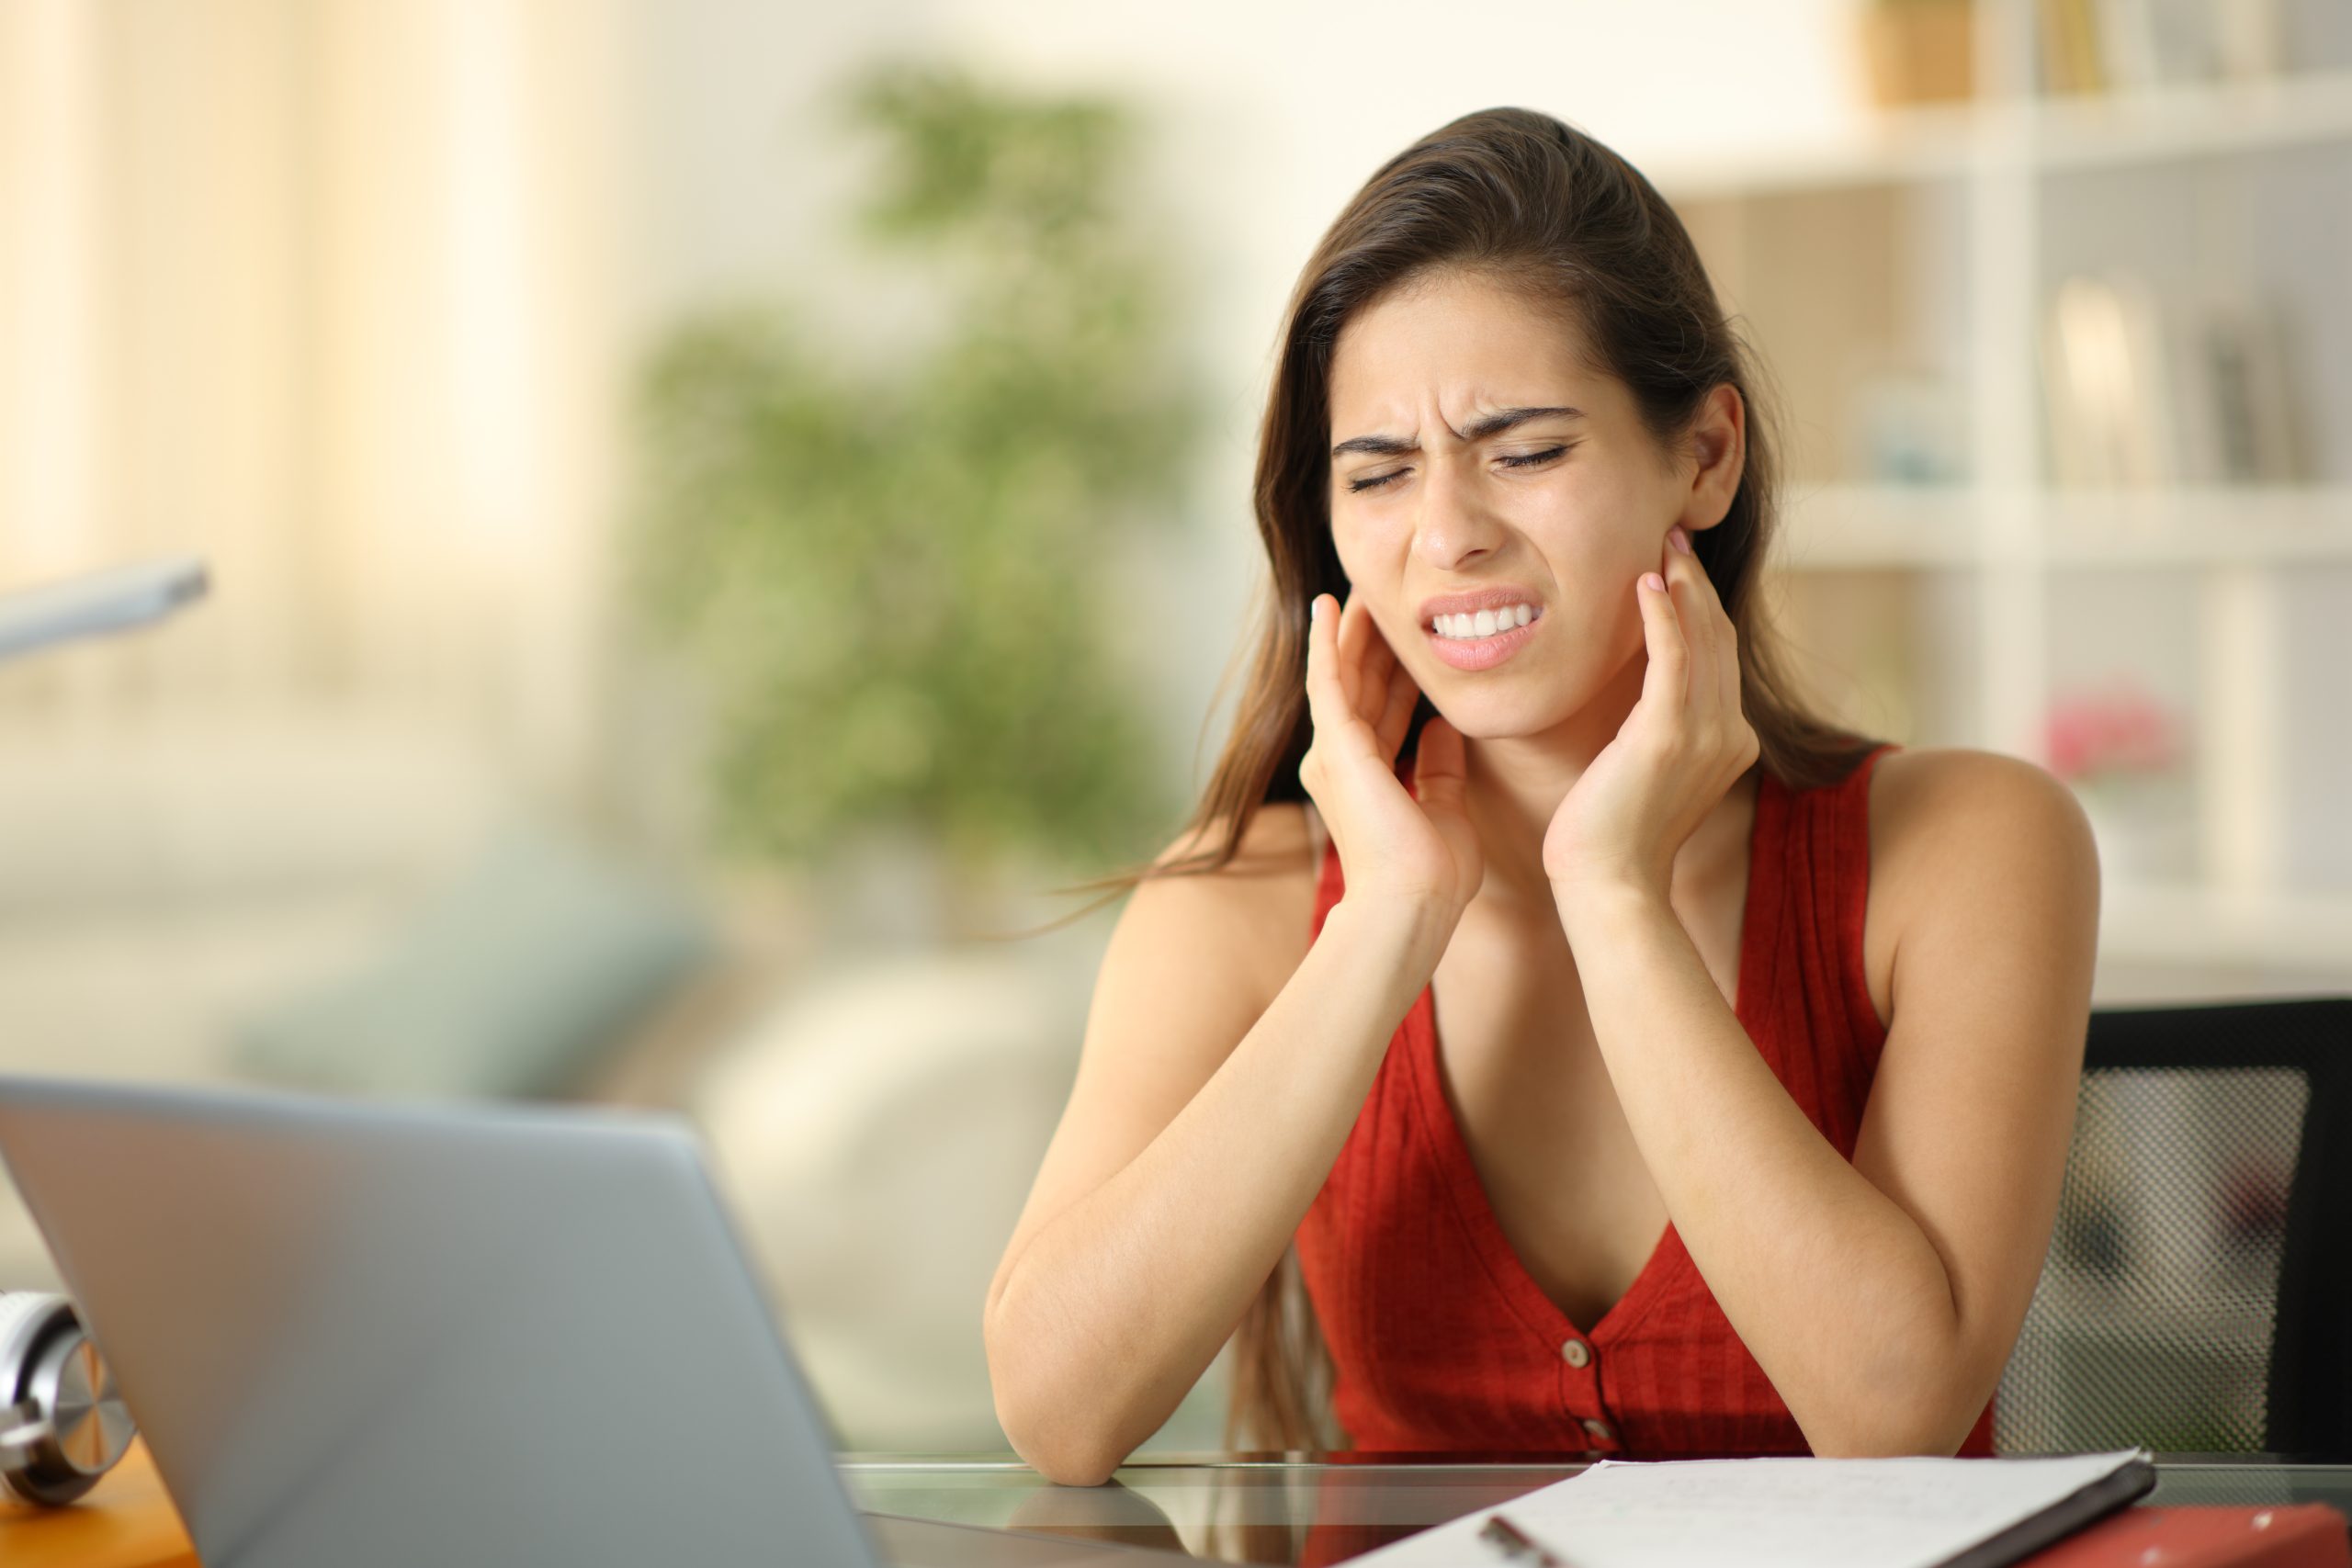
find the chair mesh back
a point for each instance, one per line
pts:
(2158, 1309)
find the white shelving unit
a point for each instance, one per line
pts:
(2033, 135)
(2016, 537)
(1866, 528)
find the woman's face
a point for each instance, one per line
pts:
(1478, 463)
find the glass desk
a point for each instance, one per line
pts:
(1322, 1509)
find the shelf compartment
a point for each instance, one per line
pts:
(1874, 527)
(1946, 141)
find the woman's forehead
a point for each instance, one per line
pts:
(1463, 344)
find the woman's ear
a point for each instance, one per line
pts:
(1718, 441)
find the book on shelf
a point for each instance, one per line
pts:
(2070, 58)
(2131, 46)
(2142, 392)
(2239, 376)
(2106, 384)
(1919, 52)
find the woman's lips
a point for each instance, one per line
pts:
(1482, 653)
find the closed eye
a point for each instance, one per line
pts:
(1513, 460)
(1529, 459)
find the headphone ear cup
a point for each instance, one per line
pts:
(62, 1425)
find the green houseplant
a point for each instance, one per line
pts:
(887, 578)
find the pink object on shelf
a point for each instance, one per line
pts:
(2120, 730)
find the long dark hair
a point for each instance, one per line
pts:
(1524, 199)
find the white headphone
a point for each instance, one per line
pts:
(62, 1424)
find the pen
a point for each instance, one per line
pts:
(1508, 1538)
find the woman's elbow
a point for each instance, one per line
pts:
(1923, 1424)
(1079, 1466)
(1059, 1439)
(1058, 1445)
(1881, 1440)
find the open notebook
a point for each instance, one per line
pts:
(1806, 1512)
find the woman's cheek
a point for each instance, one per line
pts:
(1349, 542)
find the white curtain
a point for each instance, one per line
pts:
(321, 289)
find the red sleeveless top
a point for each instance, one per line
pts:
(1442, 1339)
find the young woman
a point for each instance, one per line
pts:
(1621, 1059)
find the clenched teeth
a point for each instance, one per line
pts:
(1486, 623)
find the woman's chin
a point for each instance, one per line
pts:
(1493, 720)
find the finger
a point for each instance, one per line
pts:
(1379, 653)
(1344, 648)
(1722, 638)
(1325, 701)
(1397, 717)
(1439, 775)
(1666, 684)
(1722, 635)
(1377, 669)
(1714, 678)
(1340, 729)
(1353, 619)
(1687, 586)
(1727, 661)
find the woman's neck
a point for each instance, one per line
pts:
(1515, 784)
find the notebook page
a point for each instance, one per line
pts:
(1805, 1512)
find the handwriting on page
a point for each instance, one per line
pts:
(1898, 1513)
(1816, 1492)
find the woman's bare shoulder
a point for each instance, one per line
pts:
(1919, 797)
(1951, 824)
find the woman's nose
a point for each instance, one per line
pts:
(1455, 523)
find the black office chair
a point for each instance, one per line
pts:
(2198, 1293)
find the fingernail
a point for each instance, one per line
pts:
(1679, 539)
(1655, 580)
(1315, 608)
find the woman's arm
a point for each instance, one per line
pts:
(1185, 1160)
(1881, 1297)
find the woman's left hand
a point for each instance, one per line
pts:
(1678, 753)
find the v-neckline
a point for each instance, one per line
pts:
(1475, 1206)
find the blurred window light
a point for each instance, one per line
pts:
(50, 340)
(489, 259)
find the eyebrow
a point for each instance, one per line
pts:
(1479, 429)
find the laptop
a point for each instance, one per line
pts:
(385, 1335)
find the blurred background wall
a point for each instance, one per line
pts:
(445, 330)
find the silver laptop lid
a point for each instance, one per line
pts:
(373, 1335)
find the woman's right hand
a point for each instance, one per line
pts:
(1392, 846)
